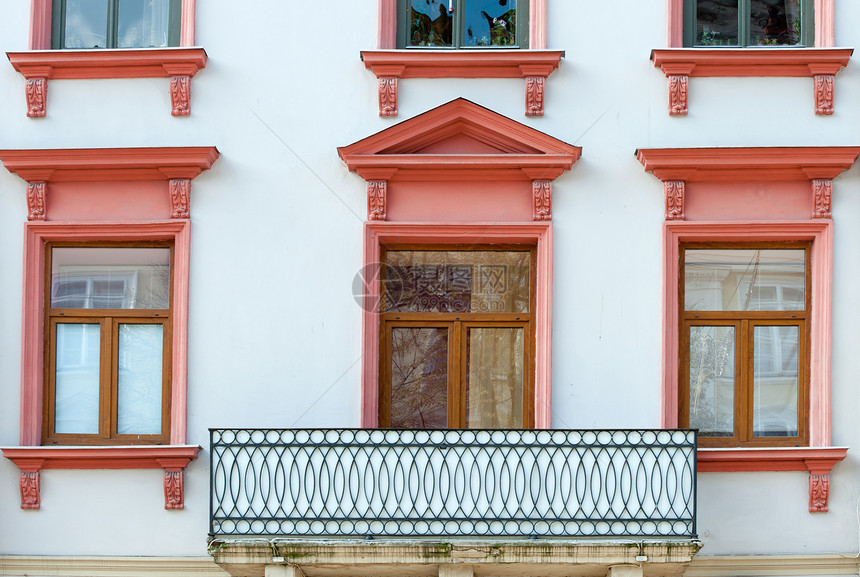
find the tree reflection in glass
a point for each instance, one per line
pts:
(419, 378)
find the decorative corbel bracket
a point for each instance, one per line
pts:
(675, 190)
(391, 65)
(178, 64)
(180, 197)
(542, 196)
(376, 196)
(819, 483)
(822, 192)
(822, 64)
(36, 199)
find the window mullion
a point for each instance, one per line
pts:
(458, 24)
(744, 16)
(457, 377)
(743, 382)
(106, 379)
(113, 23)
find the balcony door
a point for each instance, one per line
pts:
(457, 341)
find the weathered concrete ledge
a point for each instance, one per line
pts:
(424, 558)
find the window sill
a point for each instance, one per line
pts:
(817, 460)
(390, 65)
(178, 64)
(821, 64)
(172, 458)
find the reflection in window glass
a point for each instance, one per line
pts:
(139, 379)
(457, 281)
(490, 23)
(419, 378)
(142, 23)
(86, 24)
(775, 381)
(431, 22)
(494, 378)
(717, 23)
(76, 393)
(775, 22)
(712, 380)
(744, 279)
(110, 278)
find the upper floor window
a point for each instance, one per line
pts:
(108, 327)
(456, 329)
(744, 353)
(713, 23)
(463, 23)
(84, 24)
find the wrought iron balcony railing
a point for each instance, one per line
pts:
(359, 482)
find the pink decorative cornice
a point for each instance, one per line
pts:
(179, 64)
(31, 460)
(818, 461)
(523, 153)
(747, 164)
(106, 164)
(819, 63)
(533, 65)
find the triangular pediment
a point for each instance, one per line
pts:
(454, 133)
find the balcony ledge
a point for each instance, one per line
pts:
(424, 558)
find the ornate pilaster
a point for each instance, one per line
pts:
(377, 191)
(674, 199)
(387, 96)
(180, 95)
(819, 491)
(678, 85)
(822, 191)
(180, 193)
(37, 97)
(824, 93)
(174, 489)
(534, 95)
(542, 194)
(29, 481)
(36, 200)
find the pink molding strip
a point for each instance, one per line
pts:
(533, 65)
(40, 24)
(820, 232)
(825, 18)
(822, 64)
(31, 460)
(377, 234)
(387, 33)
(178, 64)
(818, 461)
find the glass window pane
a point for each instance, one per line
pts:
(419, 378)
(86, 24)
(110, 278)
(76, 394)
(490, 23)
(457, 281)
(139, 379)
(431, 22)
(494, 378)
(716, 22)
(712, 380)
(775, 380)
(142, 23)
(744, 279)
(775, 22)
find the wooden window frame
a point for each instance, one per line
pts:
(58, 21)
(457, 325)
(109, 321)
(522, 31)
(744, 323)
(807, 32)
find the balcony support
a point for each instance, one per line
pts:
(625, 571)
(284, 571)
(456, 571)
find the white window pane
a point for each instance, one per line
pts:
(494, 373)
(775, 381)
(143, 23)
(139, 377)
(86, 24)
(77, 379)
(110, 278)
(712, 380)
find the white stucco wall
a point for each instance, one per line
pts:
(274, 330)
